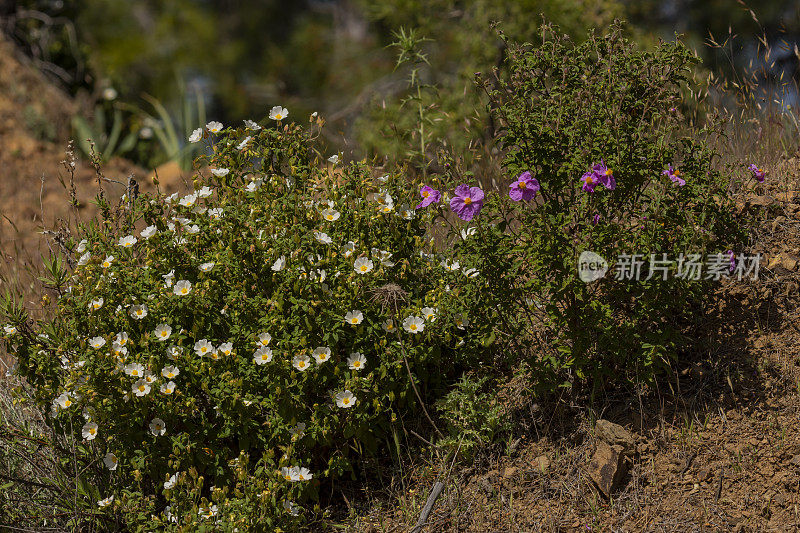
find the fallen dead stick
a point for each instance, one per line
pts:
(719, 485)
(431, 501)
(435, 491)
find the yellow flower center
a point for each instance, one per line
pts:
(357, 364)
(521, 184)
(92, 431)
(67, 403)
(425, 194)
(184, 291)
(106, 264)
(467, 200)
(608, 172)
(413, 327)
(345, 401)
(141, 388)
(301, 364)
(363, 268)
(354, 320)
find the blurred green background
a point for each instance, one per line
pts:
(155, 69)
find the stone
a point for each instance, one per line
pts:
(615, 435)
(761, 201)
(607, 467)
(785, 261)
(704, 474)
(542, 463)
(789, 262)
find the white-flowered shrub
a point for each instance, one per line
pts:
(249, 335)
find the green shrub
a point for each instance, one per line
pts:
(565, 109)
(216, 329)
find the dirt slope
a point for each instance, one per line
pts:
(34, 135)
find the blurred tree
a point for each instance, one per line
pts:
(463, 42)
(333, 56)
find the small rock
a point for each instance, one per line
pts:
(509, 472)
(542, 463)
(615, 435)
(704, 474)
(607, 467)
(789, 262)
(761, 201)
(784, 261)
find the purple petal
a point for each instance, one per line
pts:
(476, 194)
(462, 191)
